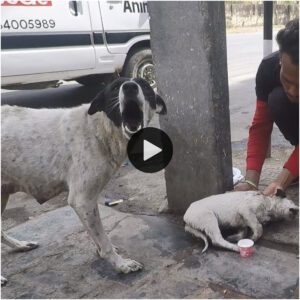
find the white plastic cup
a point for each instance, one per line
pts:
(246, 247)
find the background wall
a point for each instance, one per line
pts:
(250, 13)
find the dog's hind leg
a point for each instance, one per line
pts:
(16, 244)
(241, 234)
(10, 241)
(251, 220)
(88, 212)
(212, 230)
(4, 200)
(197, 234)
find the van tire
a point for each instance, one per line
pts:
(139, 64)
(98, 79)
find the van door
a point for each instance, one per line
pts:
(124, 22)
(41, 36)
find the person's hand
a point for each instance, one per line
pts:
(283, 180)
(253, 177)
(244, 186)
(272, 188)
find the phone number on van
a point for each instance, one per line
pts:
(28, 24)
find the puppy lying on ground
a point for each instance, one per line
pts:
(241, 210)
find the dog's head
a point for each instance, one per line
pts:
(129, 103)
(285, 208)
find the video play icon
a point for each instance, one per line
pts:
(150, 150)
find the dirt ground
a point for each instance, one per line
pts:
(141, 193)
(66, 264)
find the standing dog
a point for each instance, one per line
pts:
(47, 151)
(241, 210)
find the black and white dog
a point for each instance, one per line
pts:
(47, 151)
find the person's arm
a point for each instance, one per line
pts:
(292, 163)
(288, 174)
(258, 142)
(262, 124)
(259, 138)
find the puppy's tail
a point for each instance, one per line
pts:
(197, 234)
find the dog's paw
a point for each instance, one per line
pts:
(102, 255)
(27, 246)
(129, 265)
(3, 281)
(236, 248)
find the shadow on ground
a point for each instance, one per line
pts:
(66, 264)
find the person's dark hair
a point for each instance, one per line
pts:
(288, 40)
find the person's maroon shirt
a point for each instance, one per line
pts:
(267, 78)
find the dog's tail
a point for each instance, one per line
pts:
(197, 234)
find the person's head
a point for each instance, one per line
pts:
(288, 41)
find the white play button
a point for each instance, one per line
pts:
(150, 150)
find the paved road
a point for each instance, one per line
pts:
(244, 52)
(244, 55)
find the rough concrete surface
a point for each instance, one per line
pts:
(66, 264)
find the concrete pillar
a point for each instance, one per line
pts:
(189, 49)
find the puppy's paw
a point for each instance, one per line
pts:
(3, 281)
(129, 265)
(27, 246)
(236, 248)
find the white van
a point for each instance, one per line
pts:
(45, 41)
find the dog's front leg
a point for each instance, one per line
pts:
(251, 221)
(88, 213)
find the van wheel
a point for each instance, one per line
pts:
(140, 65)
(92, 80)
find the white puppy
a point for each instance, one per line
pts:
(241, 210)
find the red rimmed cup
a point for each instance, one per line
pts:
(246, 247)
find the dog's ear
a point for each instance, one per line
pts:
(98, 103)
(294, 211)
(280, 193)
(161, 107)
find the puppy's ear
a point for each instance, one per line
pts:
(98, 103)
(294, 210)
(161, 107)
(280, 193)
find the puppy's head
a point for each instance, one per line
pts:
(285, 208)
(128, 103)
